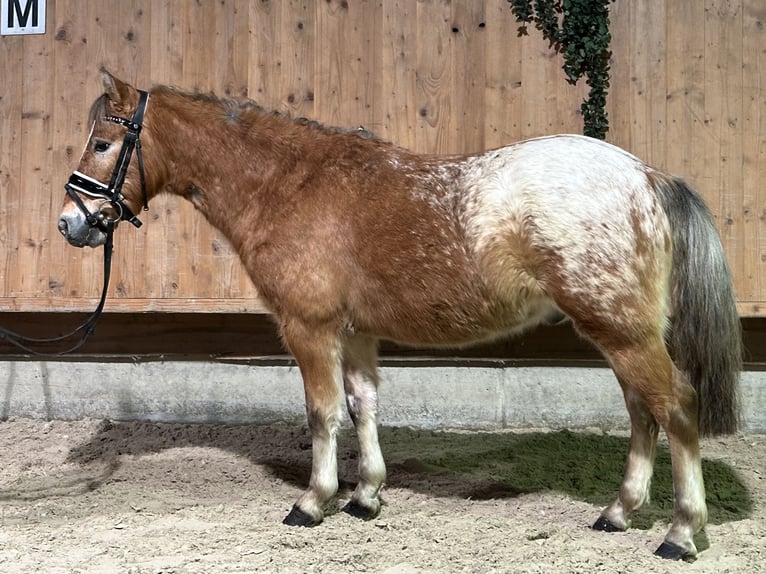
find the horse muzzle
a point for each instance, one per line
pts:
(78, 232)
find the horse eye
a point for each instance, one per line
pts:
(101, 146)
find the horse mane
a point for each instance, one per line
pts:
(236, 110)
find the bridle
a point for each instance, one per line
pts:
(79, 183)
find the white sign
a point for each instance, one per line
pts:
(22, 17)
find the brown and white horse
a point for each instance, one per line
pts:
(350, 239)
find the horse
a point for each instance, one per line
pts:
(350, 239)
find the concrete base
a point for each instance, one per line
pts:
(416, 393)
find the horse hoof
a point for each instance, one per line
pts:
(603, 525)
(671, 551)
(299, 518)
(358, 511)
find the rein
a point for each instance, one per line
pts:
(79, 183)
(87, 328)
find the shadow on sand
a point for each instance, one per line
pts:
(479, 465)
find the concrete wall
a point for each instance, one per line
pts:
(416, 393)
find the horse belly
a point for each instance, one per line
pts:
(450, 305)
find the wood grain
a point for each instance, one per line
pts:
(688, 94)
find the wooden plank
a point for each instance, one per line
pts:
(753, 286)
(620, 120)
(540, 72)
(265, 61)
(297, 48)
(41, 304)
(187, 243)
(133, 305)
(642, 106)
(35, 226)
(468, 75)
(201, 69)
(175, 247)
(653, 24)
(433, 78)
(234, 47)
(12, 185)
(722, 150)
(188, 334)
(345, 62)
(251, 335)
(282, 46)
(752, 308)
(138, 274)
(131, 31)
(396, 106)
(154, 267)
(685, 88)
(237, 336)
(192, 243)
(503, 85)
(72, 80)
(168, 21)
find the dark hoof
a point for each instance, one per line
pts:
(358, 511)
(603, 525)
(671, 551)
(299, 518)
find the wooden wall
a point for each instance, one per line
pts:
(688, 94)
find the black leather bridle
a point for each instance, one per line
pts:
(79, 183)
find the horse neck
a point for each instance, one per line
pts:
(226, 161)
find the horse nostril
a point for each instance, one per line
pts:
(63, 227)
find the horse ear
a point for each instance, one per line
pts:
(116, 90)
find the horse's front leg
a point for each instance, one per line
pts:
(360, 380)
(318, 354)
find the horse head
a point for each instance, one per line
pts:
(107, 187)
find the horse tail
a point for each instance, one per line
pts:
(706, 334)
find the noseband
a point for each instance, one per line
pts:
(79, 183)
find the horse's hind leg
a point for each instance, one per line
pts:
(645, 369)
(360, 380)
(317, 351)
(634, 491)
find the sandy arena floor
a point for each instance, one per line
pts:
(144, 498)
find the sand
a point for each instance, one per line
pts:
(147, 498)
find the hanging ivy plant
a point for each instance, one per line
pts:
(579, 31)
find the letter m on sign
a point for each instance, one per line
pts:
(22, 17)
